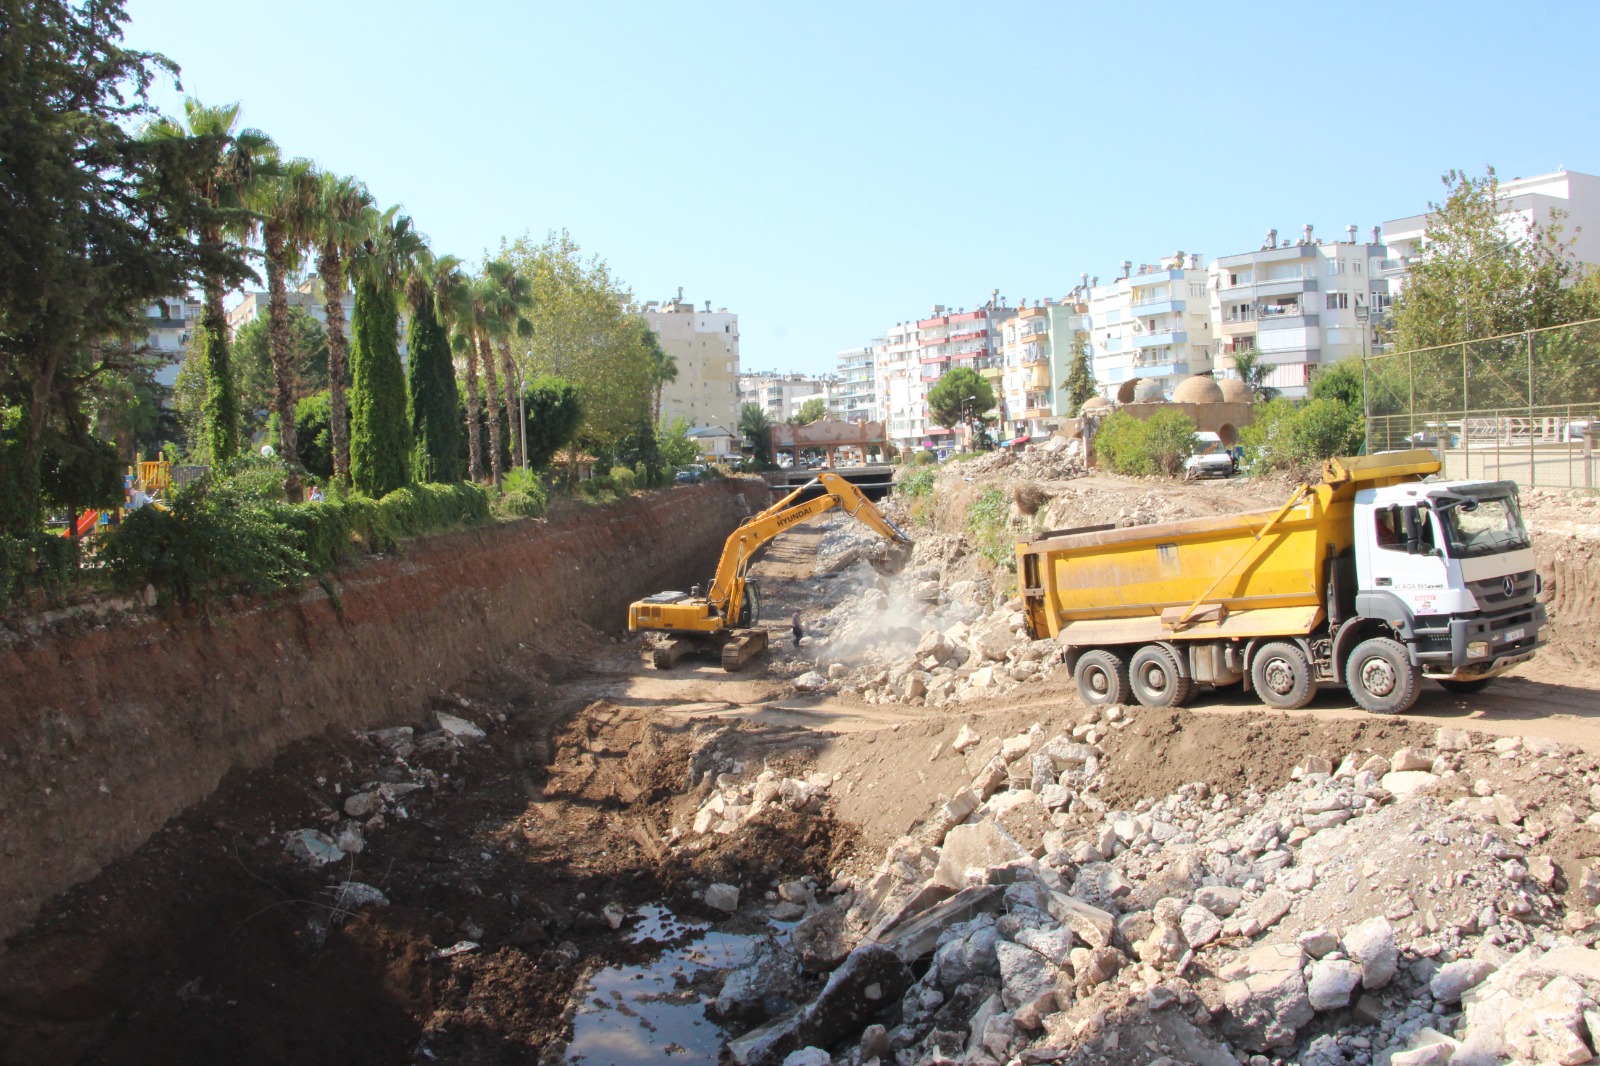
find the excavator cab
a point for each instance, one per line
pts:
(726, 619)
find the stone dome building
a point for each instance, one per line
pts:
(1235, 391)
(1198, 389)
(1148, 391)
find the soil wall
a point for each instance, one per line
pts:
(109, 730)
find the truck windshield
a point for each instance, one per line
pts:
(1481, 522)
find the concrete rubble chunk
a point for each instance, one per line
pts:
(810, 681)
(1450, 739)
(722, 897)
(808, 1056)
(821, 940)
(1200, 927)
(1411, 759)
(1270, 909)
(917, 937)
(1053, 944)
(746, 991)
(870, 977)
(313, 847)
(1331, 982)
(1267, 1001)
(1317, 942)
(1506, 811)
(1455, 978)
(1405, 782)
(1014, 748)
(1089, 923)
(1221, 900)
(1027, 979)
(348, 895)
(1371, 944)
(458, 728)
(969, 850)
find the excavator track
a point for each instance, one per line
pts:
(667, 652)
(742, 646)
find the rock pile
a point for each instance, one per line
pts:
(1378, 909)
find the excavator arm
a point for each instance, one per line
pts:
(726, 595)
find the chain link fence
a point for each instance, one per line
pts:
(1524, 407)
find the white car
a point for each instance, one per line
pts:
(1210, 458)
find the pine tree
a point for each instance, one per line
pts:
(380, 436)
(1080, 384)
(434, 402)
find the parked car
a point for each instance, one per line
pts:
(1210, 458)
(1577, 429)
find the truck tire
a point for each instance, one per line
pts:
(1102, 678)
(1153, 676)
(1465, 688)
(1381, 676)
(1281, 674)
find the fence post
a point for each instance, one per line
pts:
(1533, 457)
(1411, 387)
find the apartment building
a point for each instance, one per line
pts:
(780, 395)
(854, 397)
(1300, 305)
(169, 325)
(1036, 354)
(1523, 201)
(705, 344)
(1154, 325)
(897, 379)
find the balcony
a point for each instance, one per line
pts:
(937, 320)
(1155, 277)
(969, 335)
(1038, 378)
(1161, 370)
(928, 342)
(1160, 339)
(1149, 308)
(1237, 327)
(936, 357)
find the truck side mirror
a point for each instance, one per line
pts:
(1410, 523)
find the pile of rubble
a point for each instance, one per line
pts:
(1391, 909)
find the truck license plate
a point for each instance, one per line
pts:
(1514, 634)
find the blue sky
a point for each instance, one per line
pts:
(828, 169)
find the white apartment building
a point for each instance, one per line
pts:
(779, 395)
(854, 397)
(897, 378)
(307, 296)
(168, 325)
(1523, 201)
(1154, 325)
(705, 344)
(913, 356)
(1300, 305)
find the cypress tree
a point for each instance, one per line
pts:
(222, 394)
(380, 435)
(434, 403)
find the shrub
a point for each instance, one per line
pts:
(37, 561)
(1157, 445)
(1287, 437)
(917, 484)
(987, 521)
(597, 487)
(923, 458)
(624, 480)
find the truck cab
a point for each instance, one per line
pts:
(1449, 567)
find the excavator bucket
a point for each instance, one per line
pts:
(891, 558)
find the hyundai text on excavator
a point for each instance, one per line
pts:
(725, 619)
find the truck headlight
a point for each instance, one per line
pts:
(1477, 649)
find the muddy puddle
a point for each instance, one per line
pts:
(656, 1011)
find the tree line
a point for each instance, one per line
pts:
(109, 208)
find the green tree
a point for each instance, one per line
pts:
(1476, 277)
(459, 314)
(260, 381)
(1254, 373)
(677, 448)
(663, 370)
(430, 373)
(313, 417)
(286, 202)
(1159, 444)
(756, 429)
(583, 330)
(485, 323)
(380, 427)
(510, 298)
(1340, 382)
(961, 397)
(555, 411)
(340, 221)
(813, 410)
(225, 184)
(1080, 385)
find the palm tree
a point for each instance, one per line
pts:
(342, 217)
(457, 299)
(233, 161)
(286, 203)
(1254, 373)
(510, 298)
(430, 372)
(663, 370)
(487, 323)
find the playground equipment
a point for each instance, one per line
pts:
(147, 478)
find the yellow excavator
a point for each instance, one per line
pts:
(724, 620)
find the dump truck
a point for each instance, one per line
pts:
(724, 620)
(1373, 579)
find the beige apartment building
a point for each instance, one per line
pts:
(705, 344)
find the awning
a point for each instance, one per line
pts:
(1025, 438)
(939, 432)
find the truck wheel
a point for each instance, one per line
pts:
(1382, 677)
(1465, 688)
(1102, 678)
(1153, 676)
(1281, 675)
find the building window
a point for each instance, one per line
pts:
(1335, 266)
(1233, 279)
(1338, 301)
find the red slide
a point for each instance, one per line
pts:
(86, 523)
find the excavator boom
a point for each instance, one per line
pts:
(731, 601)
